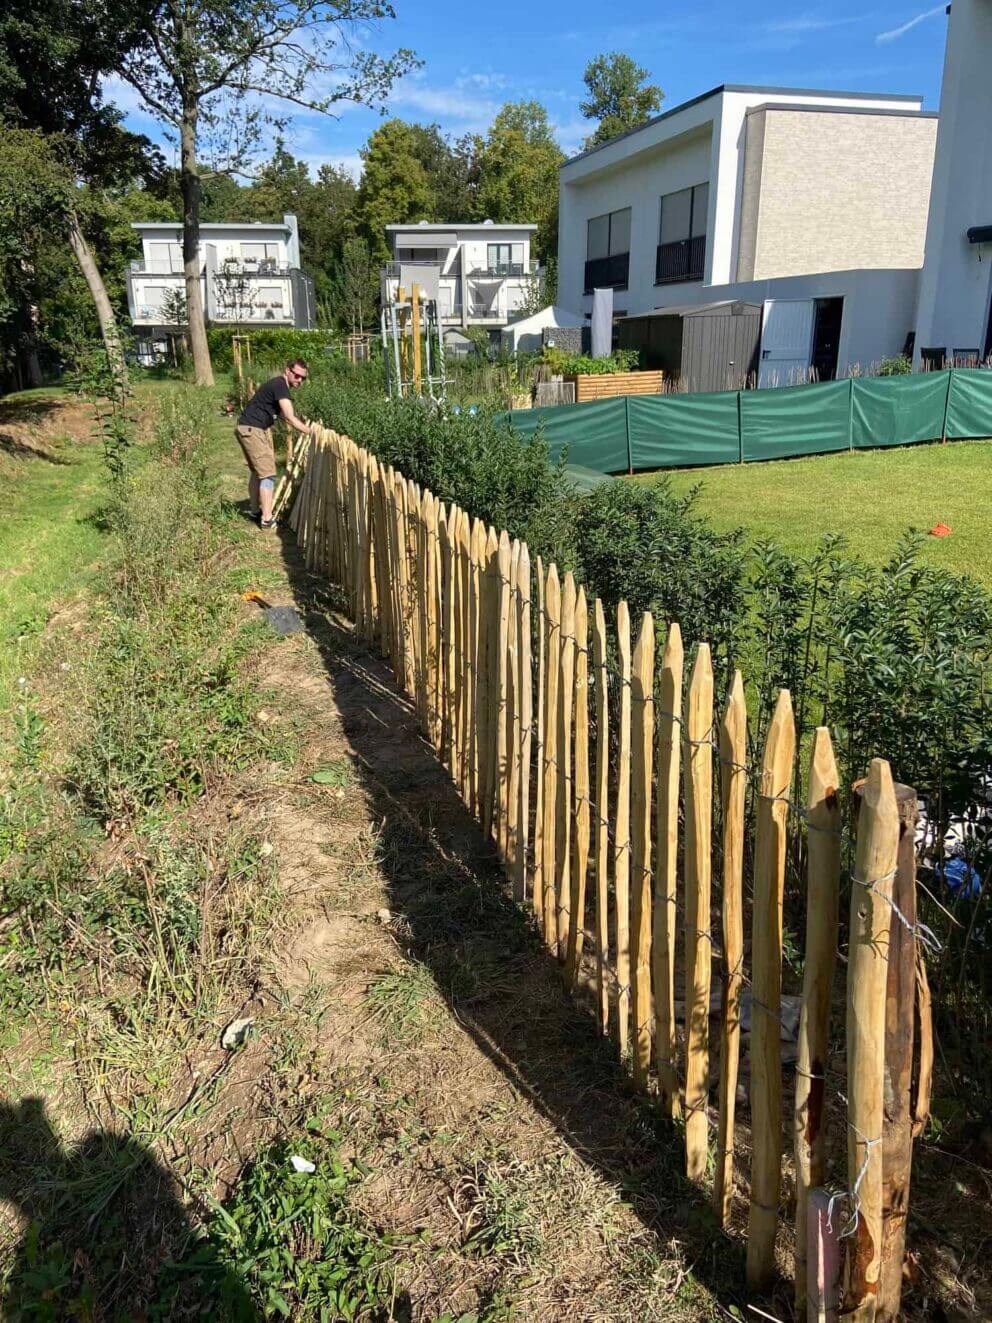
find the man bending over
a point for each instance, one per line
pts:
(255, 436)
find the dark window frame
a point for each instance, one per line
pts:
(613, 270)
(680, 261)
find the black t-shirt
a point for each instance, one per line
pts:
(263, 408)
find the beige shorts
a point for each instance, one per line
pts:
(256, 443)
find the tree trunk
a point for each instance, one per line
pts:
(190, 185)
(98, 292)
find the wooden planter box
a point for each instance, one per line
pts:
(604, 386)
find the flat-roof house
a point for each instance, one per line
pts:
(810, 203)
(483, 273)
(249, 276)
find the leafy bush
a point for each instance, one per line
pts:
(569, 365)
(272, 346)
(642, 543)
(897, 366)
(467, 458)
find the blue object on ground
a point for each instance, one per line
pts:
(960, 878)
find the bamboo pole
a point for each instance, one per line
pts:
(580, 853)
(621, 836)
(602, 820)
(733, 781)
(566, 710)
(537, 886)
(822, 892)
(871, 890)
(669, 728)
(698, 949)
(415, 335)
(642, 722)
(766, 982)
(525, 690)
(552, 650)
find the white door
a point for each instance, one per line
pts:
(786, 341)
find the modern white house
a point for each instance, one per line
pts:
(812, 204)
(481, 274)
(249, 275)
(954, 317)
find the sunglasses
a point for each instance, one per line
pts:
(297, 376)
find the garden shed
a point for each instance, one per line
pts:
(699, 347)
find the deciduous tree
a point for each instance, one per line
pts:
(209, 69)
(518, 171)
(616, 96)
(394, 187)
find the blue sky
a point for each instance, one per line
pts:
(475, 59)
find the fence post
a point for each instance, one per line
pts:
(668, 722)
(871, 915)
(580, 852)
(642, 715)
(566, 711)
(766, 985)
(552, 662)
(900, 1005)
(602, 819)
(525, 690)
(733, 783)
(822, 892)
(698, 950)
(621, 836)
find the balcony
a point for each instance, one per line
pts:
(607, 272)
(682, 260)
(501, 270)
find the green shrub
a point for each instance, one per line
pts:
(897, 366)
(467, 458)
(570, 365)
(644, 544)
(272, 346)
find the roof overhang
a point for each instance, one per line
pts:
(424, 238)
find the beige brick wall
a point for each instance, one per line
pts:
(833, 191)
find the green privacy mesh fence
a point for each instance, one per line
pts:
(638, 432)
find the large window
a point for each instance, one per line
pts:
(682, 235)
(608, 251)
(505, 259)
(260, 252)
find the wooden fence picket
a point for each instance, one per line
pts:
(552, 662)
(602, 820)
(698, 941)
(733, 783)
(510, 780)
(766, 992)
(867, 968)
(525, 689)
(668, 723)
(642, 741)
(580, 848)
(621, 838)
(565, 807)
(537, 883)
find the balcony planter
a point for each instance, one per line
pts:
(608, 385)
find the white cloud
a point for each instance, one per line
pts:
(461, 104)
(572, 133)
(894, 33)
(803, 23)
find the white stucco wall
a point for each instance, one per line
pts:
(956, 284)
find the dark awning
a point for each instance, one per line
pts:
(980, 234)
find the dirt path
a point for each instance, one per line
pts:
(504, 1144)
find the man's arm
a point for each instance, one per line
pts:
(289, 416)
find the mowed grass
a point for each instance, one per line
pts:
(871, 497)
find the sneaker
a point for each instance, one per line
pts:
(255, 516)
(266, 524)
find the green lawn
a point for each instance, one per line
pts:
(870, 496)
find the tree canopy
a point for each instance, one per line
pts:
(617, 98)
(518, 171)
(395, 187)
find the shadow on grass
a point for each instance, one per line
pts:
(104, 1230)
(484, 954)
